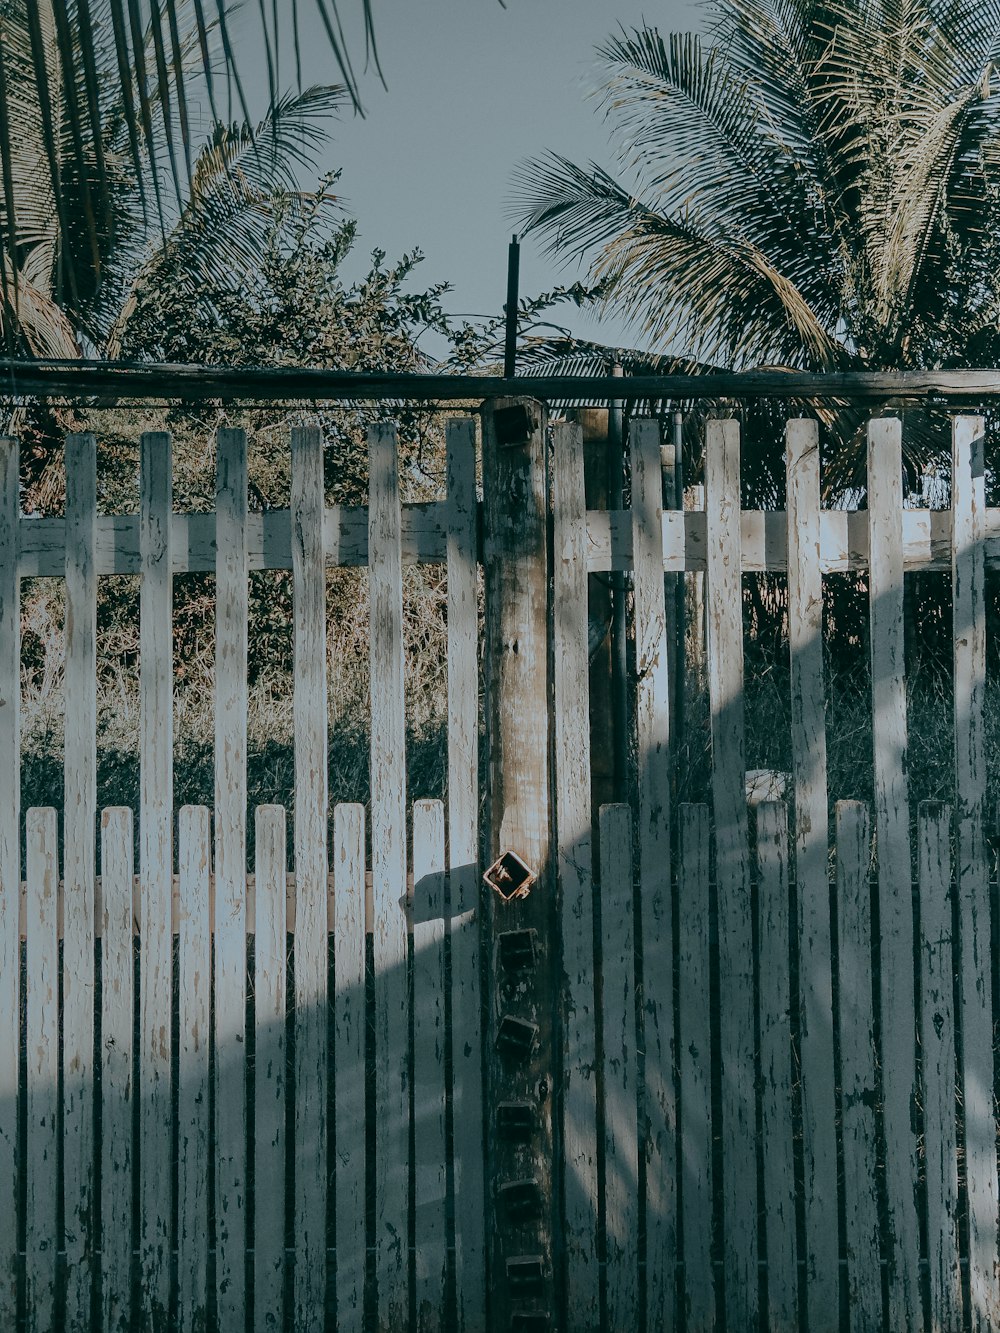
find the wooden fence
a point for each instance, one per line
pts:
(689, 1078)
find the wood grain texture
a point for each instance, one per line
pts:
(155, 868)
(619, 1069)
(777, 1069)
(429, 1140)
(576, 888)
(857, 1065)
(937, 1042)
(310, 846)
(464, 886)
(815, 1001)
(725, 680)
(388, 785)
(42, 1070)
(968, 503)
(349, 1062)
(194, 840)
(885, 506)
(695, 1060)
(117, 1090)
(10, 869)
(652, 722)
(269, 1091)
(79, 847)
(230, 941)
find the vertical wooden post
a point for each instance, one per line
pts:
(10, 870)
(520, 1050)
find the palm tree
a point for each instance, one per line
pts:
(816, 186)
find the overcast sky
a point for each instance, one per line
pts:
(473, 89)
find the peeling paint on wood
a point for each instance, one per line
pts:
(10, 869)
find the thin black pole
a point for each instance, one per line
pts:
(510, 336)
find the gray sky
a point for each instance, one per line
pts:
(473, 89)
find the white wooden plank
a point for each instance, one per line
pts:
(117, 1101)
(694, 1026)
(270, 945)
(968, 502)
(10, 870)
(574, 853)
(311, 963)
(937, 1041)
(429, 1155)
(464, 883)
(857, 1065)
(652, 722)
(231, 707)
(156, 864)
(808, 717)
(79, 817)
(388, 797)
(725, 680)
(349, 1061)
(42, 1073)
(621, 1129)
(194, 836)
(885, 508)
(776, 1071)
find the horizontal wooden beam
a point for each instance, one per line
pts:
(99, 380)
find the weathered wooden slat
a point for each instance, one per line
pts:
(269, 974)
(937, 1041)
(815, 1008)
(348, 927)
(155, 867)
(42, 1072)
(776, 1072)
(968, 502)
(576, 889)
(193, 1164)
(117, 1101)
(429, 1155)
(231, 612)
(618, 1070)
(725, 681)
(857, 1065)
(79, 819)
(10, 870)
(311, 961)
(695, 1059)
(464, 886)
(388, 787)
(885, 507)
(652, 722)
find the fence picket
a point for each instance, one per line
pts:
(857, 1065)
(42, 1047)
(725, 682)
(231, 611)
(10, 870)
(80, 813)
(968, 503)
(575, 852)
(885, 507)
(193, 1162)
(621, 1129)
(937, 1041)
(695, 1051)
(349, 1062)
(464, 884)
(311, 960)
(429, 1157)
(776, 1069)
(117, 1100)
(156, 864)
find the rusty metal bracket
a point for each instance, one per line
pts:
(510, 876)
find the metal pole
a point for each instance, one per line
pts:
(510, 336)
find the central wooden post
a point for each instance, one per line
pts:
(521, 932)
